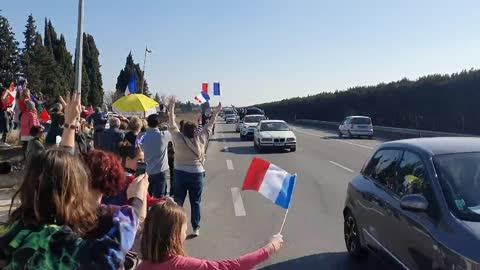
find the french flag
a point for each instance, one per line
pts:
(200, 99)
(271, 181)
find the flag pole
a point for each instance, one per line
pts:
(283, 223)
(143, 77)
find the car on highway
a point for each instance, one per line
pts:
(274, 134)
(416, 203)
(249, 124)
(230, 118)
(356, 126)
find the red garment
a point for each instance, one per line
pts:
(150, 200)
(245, 262)
(29, 119)
(22, 105)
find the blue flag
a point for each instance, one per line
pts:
(205, 96)
(132, 85)
(216, 89)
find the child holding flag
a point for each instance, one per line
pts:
(162, 244)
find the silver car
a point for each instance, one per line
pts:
(356, 126)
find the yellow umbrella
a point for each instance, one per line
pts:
(135, 105)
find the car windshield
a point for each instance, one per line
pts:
(459, 176)
(361, 121)
(253, 119)
(274, 126)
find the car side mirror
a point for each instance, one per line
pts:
(414, 202)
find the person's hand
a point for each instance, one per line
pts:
(72, 107)
(138, 188)
(275, 243)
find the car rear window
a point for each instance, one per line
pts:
(361, 121)
(253, 119)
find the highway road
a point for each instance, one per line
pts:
(313, 232)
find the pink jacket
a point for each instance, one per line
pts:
(29, 119)
(245, 262)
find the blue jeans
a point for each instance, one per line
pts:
(193, 184)
(158, 184)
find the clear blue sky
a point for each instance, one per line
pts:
(265, 50)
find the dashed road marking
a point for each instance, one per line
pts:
(230, 164)
(341, 166)
(238, 202)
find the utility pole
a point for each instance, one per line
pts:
(79, 50)
(144, 61)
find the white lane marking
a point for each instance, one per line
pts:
(356, 144)
(342, 141)
(341, 166)
(238, 202)
(229, 164)
(225, 149)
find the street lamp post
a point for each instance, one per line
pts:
(79, 50)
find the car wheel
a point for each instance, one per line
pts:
(352, 237)
(350, 136)
(370, 137)
(293, 149)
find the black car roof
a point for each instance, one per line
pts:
(439, 145)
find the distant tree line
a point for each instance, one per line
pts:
(449, 103)
(46, 63)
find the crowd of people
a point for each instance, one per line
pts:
(96, 196)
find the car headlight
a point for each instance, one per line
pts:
(266, 139)
(290, 139)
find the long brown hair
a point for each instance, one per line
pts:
(55, 190)
(161, 236)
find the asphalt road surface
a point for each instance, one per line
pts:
(313, 232)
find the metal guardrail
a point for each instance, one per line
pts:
(387, 131)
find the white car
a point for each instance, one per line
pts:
(230, 118)
(356, 126)
(250, 123)
(274, 134)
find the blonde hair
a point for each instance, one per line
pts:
(162, 232)
(135, 124)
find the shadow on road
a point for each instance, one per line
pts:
(249, 150)
(334, 260)
(335, 137)
(226, 140)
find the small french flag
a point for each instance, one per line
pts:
(271, 181)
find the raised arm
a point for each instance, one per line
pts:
(171, 114)
(208, 128)
(72, 109)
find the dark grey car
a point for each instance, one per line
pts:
(417, 204)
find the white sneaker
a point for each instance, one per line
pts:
(196, 232)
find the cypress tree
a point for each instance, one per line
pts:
(9, 57)
(126, 75)
(95, 93)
